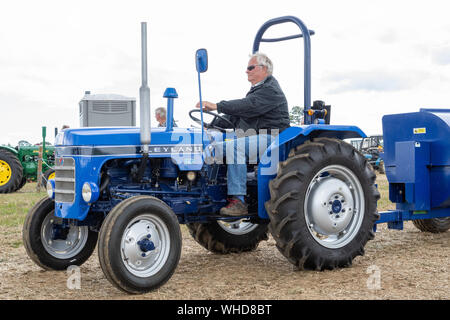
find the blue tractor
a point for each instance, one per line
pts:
(372, 148)
(128, 189)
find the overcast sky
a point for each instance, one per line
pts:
(369, 58)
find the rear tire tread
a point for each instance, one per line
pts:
(214, 239)
(284, 225)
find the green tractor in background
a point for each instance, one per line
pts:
(20, 164)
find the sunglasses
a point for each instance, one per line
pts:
(253, 66)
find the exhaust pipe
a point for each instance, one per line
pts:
(144, 97)
(144, 94)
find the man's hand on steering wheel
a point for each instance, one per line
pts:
(208, 107)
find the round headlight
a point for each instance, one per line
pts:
(191, 175)
(86, 192)
(51, 188)
(89, 192)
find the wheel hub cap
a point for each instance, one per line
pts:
(66, 244)
(145, 245)
(334, 206)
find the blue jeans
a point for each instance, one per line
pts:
(240, 152)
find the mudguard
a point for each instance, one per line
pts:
(10, 149)
(285, 141)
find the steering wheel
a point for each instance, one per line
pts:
(210, 125)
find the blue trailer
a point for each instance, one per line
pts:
(127, 189)
(417, 163)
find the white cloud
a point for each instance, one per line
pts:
(441, 56)
(374, 80)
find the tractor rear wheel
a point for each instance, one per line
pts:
(435, 225)
(140, 244)
(11, 172)
(22, 183)
(228, 237)
(323, 205)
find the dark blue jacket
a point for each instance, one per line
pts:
(264, 107)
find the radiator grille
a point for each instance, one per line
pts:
(65, 180)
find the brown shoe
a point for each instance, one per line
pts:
(235, 208)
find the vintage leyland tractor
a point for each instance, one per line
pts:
(128, 190)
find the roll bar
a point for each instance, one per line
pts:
(305, 34)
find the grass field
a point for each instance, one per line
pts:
(14, 206)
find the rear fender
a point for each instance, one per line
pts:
(10, 149)
(285, 141)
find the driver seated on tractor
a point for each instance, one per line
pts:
(263, 111)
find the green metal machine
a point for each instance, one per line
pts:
(20, 164)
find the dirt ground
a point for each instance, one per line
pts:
(406, 264)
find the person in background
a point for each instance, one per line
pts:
(161, 117)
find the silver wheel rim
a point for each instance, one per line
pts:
(237, 227)
(334, 206)
(145, 260)
(63, 249)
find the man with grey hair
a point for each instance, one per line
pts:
(161, 116)
(264, 110)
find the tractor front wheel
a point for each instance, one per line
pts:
(140, 244)
(53, 245)
(323, 205)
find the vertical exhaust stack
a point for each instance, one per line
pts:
(144, 95)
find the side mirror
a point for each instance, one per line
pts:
(201, 60)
